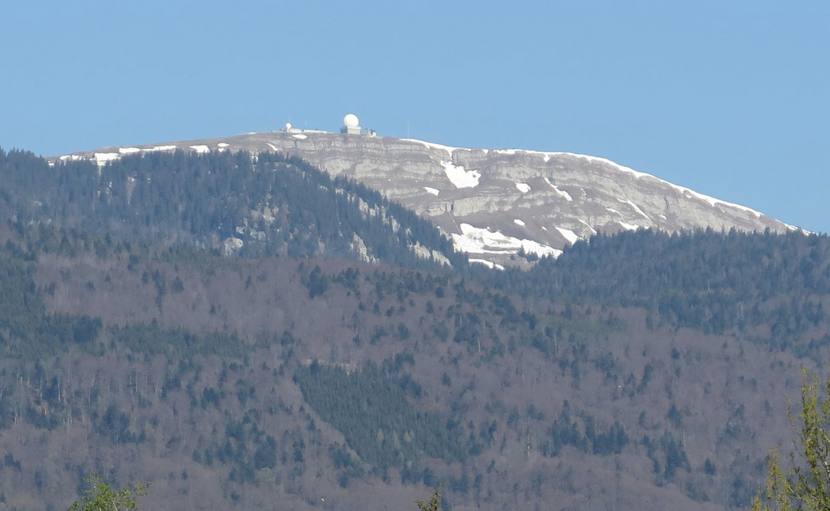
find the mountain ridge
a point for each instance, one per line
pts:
(231, 202)
(496, 204)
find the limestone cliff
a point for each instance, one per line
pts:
(495, 203)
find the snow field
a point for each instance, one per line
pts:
(459, 177)
(474, 240)
(568, 235)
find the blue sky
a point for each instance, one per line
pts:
(728, 98)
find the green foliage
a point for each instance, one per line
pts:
(709, 467)
(371, 409)
(177, 342)
(208, 262)
(349, 467)
(431, 505)
(101, 497)
(26, 330)
(566, 431)
(114, 425)
(316, 282)
(675, 456)
(805, 483)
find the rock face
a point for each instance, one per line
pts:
(496, 204)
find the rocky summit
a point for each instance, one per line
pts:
(497, 205)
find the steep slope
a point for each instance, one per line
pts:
(496, 203)
(236, 203)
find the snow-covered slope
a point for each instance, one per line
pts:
(496, 203)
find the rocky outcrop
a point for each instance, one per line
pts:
(496, 203)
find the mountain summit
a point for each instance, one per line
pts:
(495, 204)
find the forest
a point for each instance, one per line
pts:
(276, 205)
(766, 285)
(642, 370)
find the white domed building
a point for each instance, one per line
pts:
(351, 125)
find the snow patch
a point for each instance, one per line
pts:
(425, 253)
(128, 150)
(430, 145)
(485, 262)
(635, 207)
(523, 187)
(272, 146)
(459, 177)
(300, 136)
(474, 240)
(102, 158)
(161, 148)
(711, 200)
(603, 161)
(562, 193)
(489, 264)
(201, 149)
(586, 224)
(518, 222)
(433, 191)
(359, 247)
(626, 225)
(222, 144)
(568, 235)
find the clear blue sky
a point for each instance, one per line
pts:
(730, 98)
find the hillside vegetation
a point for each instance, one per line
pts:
(638, 371)
(272, 204)
(768, 287)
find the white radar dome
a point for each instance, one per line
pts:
(351, 121)
(287, 126)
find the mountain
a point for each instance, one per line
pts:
(495, 204)
(247, 331)
(236, 203)
(326, 384)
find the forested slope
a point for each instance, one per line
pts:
(250, 205)
(640, 370)
(318, 383)
(770, 288)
